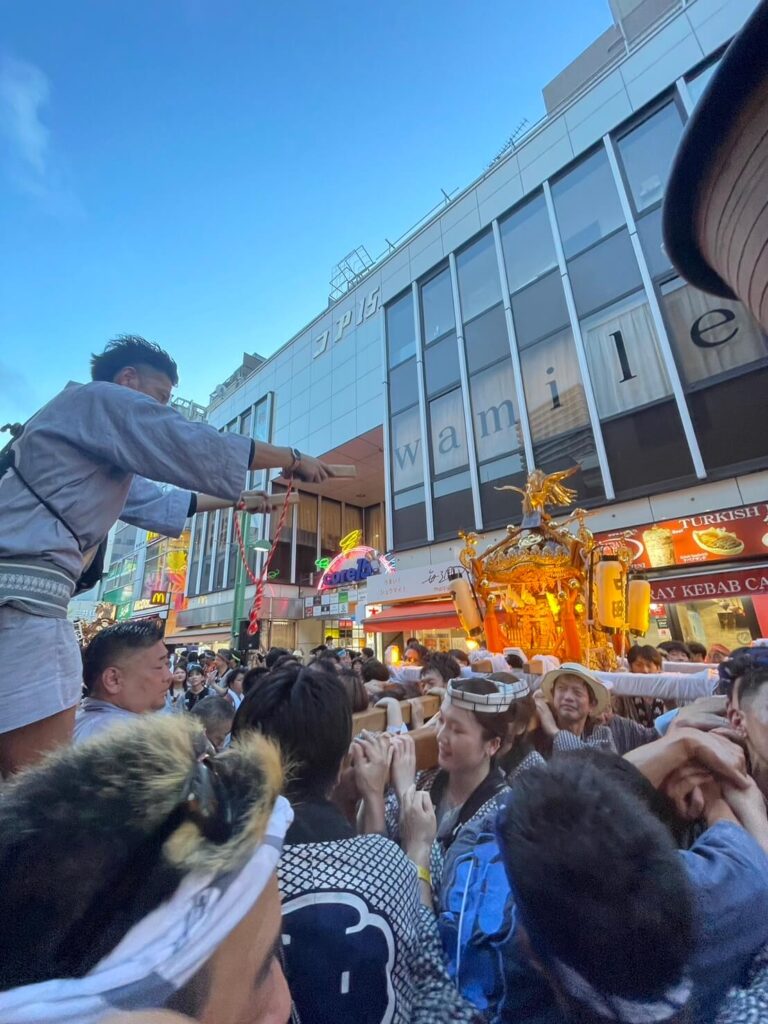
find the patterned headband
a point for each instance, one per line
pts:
(487, 703)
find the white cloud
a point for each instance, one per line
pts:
(24, 92)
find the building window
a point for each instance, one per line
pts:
(353, 520)
(558, 413)
(407, 459)
(441, 364)
(478, 273)
(494, 412)
(437, 311)
(526, 239)
(486, 339)
(155, 578)
(699, 82)
(587, 204)
(625, 363)
(401, 335)
(710, 336)
(452, 508)
(210, 536)
(409, 521)
(221, 550)
(604, 273)
(502, 506)
(448, 433)
(649, 232)
(646, 153)
(403, 386)
(539, 309)
(642, 430)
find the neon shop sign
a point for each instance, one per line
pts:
(355, 563)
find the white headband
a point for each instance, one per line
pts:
(163, 951)
(619, 1010)
(487, 703)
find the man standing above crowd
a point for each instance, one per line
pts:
(126, 674)
(76, 469)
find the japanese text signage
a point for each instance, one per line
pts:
(724, 536)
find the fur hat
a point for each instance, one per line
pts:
(99, 834)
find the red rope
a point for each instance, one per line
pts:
(260, 580)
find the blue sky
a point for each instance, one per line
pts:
(191, 170)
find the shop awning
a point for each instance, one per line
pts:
(402, 617)
(184, 637)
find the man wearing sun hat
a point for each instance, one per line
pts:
(570, 703)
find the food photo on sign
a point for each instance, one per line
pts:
(726, 535)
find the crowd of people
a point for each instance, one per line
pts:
(227, 843)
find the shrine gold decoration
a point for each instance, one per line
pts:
(536, 588)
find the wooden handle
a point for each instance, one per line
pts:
(343, 470)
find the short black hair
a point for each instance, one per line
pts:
(443, 664)
(274, 654)
(410, 641)
(667, 646)
(645, 651)
(108, 645)
(368, 652)
(214, 710)
(132, 350)
(601, 886)
(461, 656)
(307, 711)
(373, 669)
(514, 661)
(356, 692)
(751, 676)
(252, 677)
(696, 648)
(320, 649)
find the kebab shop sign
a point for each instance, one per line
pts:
(723, 536)
(711, 586)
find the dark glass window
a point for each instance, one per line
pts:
(281, 560)
(647, 152)
(647, 447)
(478, 273)
(486, 339)
(729, 421)
(194, 557)
(401, 334)
(649, 232)
(604, 273)
(539, 309)
(437, 306)
(403, 386)
(502, 506)
(245, 423)
(587, 204)
(221, 551)
(409, 520)
(452, 508)
(526, 239)
(575, 449)
(441, 364)
(207, 552)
